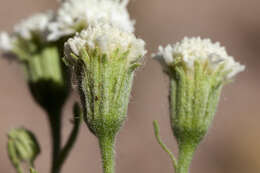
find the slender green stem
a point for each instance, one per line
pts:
(106, 144)
(72, 138)
(164, 147)
(186, 151)
(55, 126)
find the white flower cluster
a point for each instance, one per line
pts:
(36, 24)
(26, 29)
(195, 48)
(107, 38)
(67, 20)
(78, 12)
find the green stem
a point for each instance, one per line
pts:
(186, 151)
(164, 147)
(106, 144)
(72, 138)
(55, 126)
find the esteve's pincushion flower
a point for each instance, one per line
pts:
(197, 69)
(40, 58)
(103, 58)
(74, 15)
(46, 78)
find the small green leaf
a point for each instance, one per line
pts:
(32, 170)
(22, 146)
(134, 66)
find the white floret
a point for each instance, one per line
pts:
(6, 42)
(36, 24)
(73, 12)
(195, 48)
(107, 38)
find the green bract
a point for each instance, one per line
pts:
(103, 59)
(45, 77)
(193, 100)
(104, 84)
(39, 58)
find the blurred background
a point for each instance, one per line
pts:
(233, 142)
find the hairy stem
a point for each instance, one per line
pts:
(106, 144)
(186, 151)
(164, 147)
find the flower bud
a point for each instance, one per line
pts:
(103, 59)
(198, 69)
(40, 59)
(22, 146)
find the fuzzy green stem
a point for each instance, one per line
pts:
(186, 151)
(106, 144)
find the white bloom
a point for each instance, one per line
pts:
(195, 48)
(78, 12)
(107, 38)
(36, 24)
(6, 42)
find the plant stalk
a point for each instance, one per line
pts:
(55, 126)
(106, 144)
(186, 152)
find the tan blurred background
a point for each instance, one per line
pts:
(233, 143)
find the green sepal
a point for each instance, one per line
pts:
(104, 83)
(194, 95)
(44, 71)
(47, 79)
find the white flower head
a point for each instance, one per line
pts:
(6, 42)
(36, 24)
(192, 49)
(84, 12)
(107, 39)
